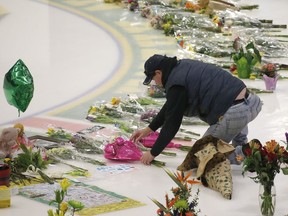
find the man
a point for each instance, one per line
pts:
(194, 88)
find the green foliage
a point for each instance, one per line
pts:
(251, 54)
(29, 157)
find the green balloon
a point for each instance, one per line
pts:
(18, 86)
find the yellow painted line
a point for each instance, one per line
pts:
(126, 49)
(80, 3)
(132, 27)
(3, 11)
(102, 7)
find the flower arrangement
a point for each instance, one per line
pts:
(28, 159)
(180, 204)
(265, 161)
(62, 206)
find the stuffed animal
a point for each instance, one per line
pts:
(22, 138)
(8, 139)
(209, 156)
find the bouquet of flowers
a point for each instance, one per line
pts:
(181, 203)
(265, 161)
(124, 149)
(269, 69)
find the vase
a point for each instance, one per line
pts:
(267, 199)
(270, 82)
(5, 172)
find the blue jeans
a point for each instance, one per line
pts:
(233, 125)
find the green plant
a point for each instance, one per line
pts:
(62, 206)
(28, 159)
(245, 58)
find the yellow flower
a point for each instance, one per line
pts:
(50, 212)
(115, 101)
(20, 127)
(63, 207)
(92, 109)
(50, 131)
(252, 77)
(7, 160)
(215, 19)
(65, 183)
(254, 145)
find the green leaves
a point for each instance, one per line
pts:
(245, 58)
(29, 157)
(163, 208)
(76, 205)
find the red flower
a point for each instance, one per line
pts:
(248, 152)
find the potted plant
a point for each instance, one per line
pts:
(245, 58)
(5, 172)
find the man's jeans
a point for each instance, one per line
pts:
(233, 125)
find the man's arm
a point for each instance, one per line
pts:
(173, 114)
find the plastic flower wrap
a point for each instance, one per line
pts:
(63, 153)
(271, 47)
(155, 91)
(239, 18)
(208, 43)
(81, 142)
(267, 43)
(149, 141)
(188, 52)
(122, 149)
(171, 20)
(95, 116)
(149, 115)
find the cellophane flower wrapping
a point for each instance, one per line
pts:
(149, 141)
(122, 149)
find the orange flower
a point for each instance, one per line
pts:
(189, 214)
(193, 182)
(239, 158)
(271, 146)
(189, 5)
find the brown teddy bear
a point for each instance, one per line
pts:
(8, 139)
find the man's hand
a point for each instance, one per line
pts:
(147, 158)
(139, 134)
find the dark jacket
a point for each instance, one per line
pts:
(210, 89)
(194, 88)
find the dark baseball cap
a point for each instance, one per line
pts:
(150, 66)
